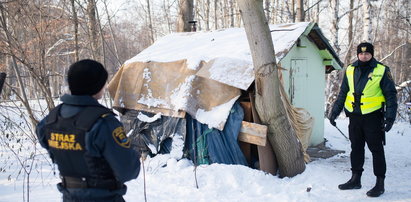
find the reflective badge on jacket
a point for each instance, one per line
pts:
(64, 142)
(121, 138)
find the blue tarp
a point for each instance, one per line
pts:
(212, 145)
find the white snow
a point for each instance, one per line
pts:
(179, 96)
(229, 46)
(228, 43)
(217, 115)
(169, 178)
(234, 72)
(145, 118)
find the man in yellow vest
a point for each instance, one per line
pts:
(369, 99)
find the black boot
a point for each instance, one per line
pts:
(378, 189)
(353, 183)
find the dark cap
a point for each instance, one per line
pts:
(86, 77)
(365, 47)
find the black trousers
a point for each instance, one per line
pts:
(367, 129)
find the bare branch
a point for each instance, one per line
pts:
(393, 51)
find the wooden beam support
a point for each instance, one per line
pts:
(253, 133)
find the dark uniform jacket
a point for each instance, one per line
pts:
(360, 80)
(100, 143)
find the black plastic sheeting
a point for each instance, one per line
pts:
(215, 146)
(155, 137)
(210, 145)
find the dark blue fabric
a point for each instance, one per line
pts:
(215, 146)
(99, 142)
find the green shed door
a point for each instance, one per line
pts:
(299, 87)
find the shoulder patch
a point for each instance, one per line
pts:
(120, 137)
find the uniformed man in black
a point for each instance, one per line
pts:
(368, 96)
(86, 141)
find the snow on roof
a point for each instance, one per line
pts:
(227, 56)
(228, 43)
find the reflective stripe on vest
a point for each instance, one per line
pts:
(372, 97)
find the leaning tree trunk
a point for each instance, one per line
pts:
(269, 103)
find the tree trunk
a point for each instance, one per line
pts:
(267, 11)
(185, 15)
(231, 2)
(347, 58)
(150, 22)
(207, 15)
(269, 103)
(366, 6)
(336, 28)
(317, 14)
(92, 28)
(75, 21)
(293, 9)
(222, 14)
(215, 14)
(300, 11)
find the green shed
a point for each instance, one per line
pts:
(306, 64)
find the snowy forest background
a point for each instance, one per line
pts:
(40, 39)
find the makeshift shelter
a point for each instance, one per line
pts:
(203, 74)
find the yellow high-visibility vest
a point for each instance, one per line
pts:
(372, 97)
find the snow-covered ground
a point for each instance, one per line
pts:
(218, 182)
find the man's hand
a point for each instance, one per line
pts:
(388, 124)
(332, 120)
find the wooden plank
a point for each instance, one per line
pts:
(266, 155)
(253, 133)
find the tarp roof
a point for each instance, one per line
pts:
(222, 55)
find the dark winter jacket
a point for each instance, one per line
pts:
(360, 80)
(100, 142)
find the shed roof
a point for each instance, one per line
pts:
(229, 48)
(201, 72)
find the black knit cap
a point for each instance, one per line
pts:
(86, 77)
(365, 47)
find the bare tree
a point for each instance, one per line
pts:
(150, 22)
(92, 28)
(269, 103)
(185, 15)
(366, 6)
(300, 11)
(23, 96)
(75, 22)
(350, 34)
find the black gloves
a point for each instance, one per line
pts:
(332, 119)
(388, 124)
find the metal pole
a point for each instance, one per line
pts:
(341, 132)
